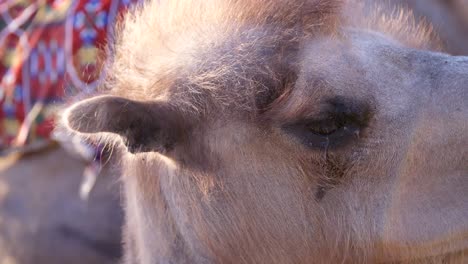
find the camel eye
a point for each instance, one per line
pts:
(330, 132)
(336, 126)
(324, 128)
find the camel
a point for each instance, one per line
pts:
(283, 132)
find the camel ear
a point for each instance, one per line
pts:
(144, 126)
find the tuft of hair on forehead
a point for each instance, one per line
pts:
(395, 21)
(204, 42)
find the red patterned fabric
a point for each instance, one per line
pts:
(47, 49)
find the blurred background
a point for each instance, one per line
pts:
(58, 201)
(59, 197)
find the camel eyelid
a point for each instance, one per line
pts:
(336, 127)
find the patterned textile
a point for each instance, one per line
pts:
(48, 48)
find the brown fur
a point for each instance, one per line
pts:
(448, 18)
(195, 52)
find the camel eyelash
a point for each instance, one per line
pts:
(342, 122)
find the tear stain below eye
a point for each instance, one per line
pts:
(332, 174)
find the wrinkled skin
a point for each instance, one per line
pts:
(362, 160)
(43, 219)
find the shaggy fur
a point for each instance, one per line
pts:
(216, 44)
(223, 43)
